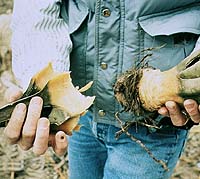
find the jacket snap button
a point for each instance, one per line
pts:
(106, 12)
(104, 65)
(101, 113)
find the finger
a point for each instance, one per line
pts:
(177, 118)
(30, 125)
(191, 107)
(40, 144)
(13, 130)
(13, 93)
(163, 111)
(60, 145)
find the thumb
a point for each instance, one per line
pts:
(13, 93)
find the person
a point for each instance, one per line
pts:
(102, 39)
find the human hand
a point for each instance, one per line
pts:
(29, 130)
(171, 109)
(178, 117)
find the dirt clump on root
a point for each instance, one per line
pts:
(126, 91)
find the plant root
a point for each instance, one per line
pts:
(124, 129)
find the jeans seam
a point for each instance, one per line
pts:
(171, 152)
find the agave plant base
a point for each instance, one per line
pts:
(141, 90)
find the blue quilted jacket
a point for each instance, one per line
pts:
(110, 37)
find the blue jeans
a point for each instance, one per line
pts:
(94, 153)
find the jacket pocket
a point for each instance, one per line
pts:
(177, 31)
(74, 13)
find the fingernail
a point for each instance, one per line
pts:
(37, 100)
(161, 111)
(21, 107)
(170, 105)
(44, 123)
(189, 106)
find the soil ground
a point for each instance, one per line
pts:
(188, 166)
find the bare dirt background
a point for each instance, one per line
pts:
(15, 163)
